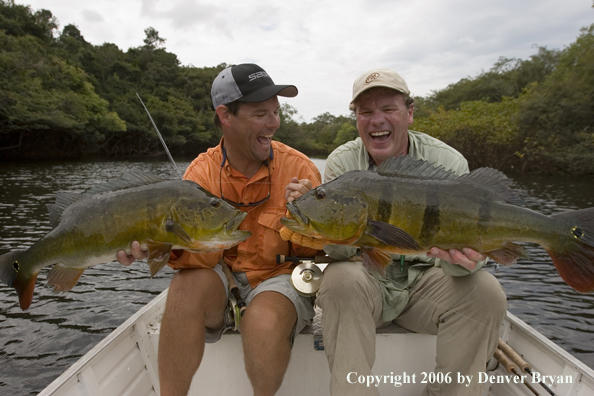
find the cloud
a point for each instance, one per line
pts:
(188, 15)
(92, 16)
(322, 45)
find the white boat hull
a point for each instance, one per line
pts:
(125, 363)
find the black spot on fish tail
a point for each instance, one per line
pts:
(577, 232)
(574, 259)
(431, 218)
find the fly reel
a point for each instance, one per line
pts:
(307, 278)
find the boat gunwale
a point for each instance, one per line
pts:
(74, 370)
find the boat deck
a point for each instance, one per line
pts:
(125, 363)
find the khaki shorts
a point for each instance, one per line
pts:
(280, 284)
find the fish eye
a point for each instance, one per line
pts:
(215, 203)
(16, 266)
(320, 194)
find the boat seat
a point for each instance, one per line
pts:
(316, 327)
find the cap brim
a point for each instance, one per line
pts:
(376, 86)
(261, 95)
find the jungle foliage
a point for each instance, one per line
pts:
(533, 115)
(61, 96)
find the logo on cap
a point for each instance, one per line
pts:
(259, 74)
(372, 77)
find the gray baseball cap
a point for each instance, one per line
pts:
(246, 82)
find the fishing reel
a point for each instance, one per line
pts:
(306, 277)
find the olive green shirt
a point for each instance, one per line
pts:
(401, 275)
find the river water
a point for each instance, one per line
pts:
(39, 344)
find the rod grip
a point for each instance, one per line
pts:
(514, 356)
(504, 360)
(320, 259)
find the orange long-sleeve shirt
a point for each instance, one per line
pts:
(256, 256)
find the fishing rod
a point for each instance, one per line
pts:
(240, 305)
(519, 363)
(161, 138)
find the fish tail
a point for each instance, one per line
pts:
(25, 288)
(12, 275)
(574, 259)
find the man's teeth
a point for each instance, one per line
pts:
(380, 133)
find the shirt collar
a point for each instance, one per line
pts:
(227, 165)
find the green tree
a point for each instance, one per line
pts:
(558, 114)
(346, 133)
(153, 40)
(485, 133)
(507, 78)
(19, 20)
(47, 104)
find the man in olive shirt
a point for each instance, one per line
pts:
(443, 292)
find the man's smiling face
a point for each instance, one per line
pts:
(253, 128)
(382, 121)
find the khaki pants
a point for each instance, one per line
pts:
(464, 312)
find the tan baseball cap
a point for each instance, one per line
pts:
(379, 78)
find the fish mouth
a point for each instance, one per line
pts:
(233, 224)
(298, 223)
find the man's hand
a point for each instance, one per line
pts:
(297, 188)
(137, 254)
(467, 258)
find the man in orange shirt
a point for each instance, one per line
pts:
(257, 175)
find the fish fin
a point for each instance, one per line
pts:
(495, 181)
(392, 235)
(407, 166)
(63, 278)
(375, 259)
(508, 254)
(128, 180)
(25, 288)
(63, 200)
(174, 227)
(492, 179)
(158, 255)
(574, 259)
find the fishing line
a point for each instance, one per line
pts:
(169, 154)
(161, 138)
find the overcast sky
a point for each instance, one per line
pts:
(322, 46)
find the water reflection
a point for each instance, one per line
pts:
(39, 344)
